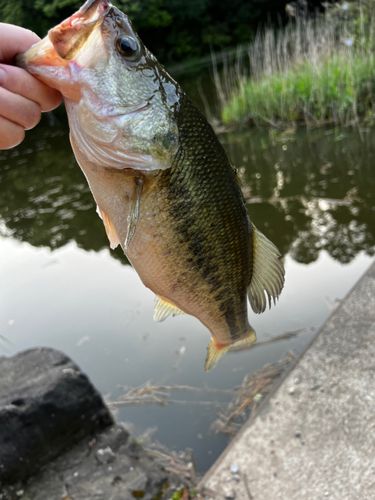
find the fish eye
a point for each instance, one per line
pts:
(127, 46)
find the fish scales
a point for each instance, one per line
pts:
(209, 222)
(164, 186)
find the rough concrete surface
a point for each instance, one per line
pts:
(111, 466)
(315, 437)
(46, 405)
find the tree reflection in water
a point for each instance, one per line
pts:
(310, 191)
(44, 196)
(307, 191)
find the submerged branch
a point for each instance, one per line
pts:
(258, 387)
(181, 463)
(182, 388)
(244, 397)
(283, 336)
(248, 395)
(161, 403)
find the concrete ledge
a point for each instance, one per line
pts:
(315, 438)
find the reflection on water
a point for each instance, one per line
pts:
(307, 191)
(312, 194)
(44, 197)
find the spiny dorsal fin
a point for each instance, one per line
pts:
(114, 240)
(268, 273)
(216, 351)
(163, 309)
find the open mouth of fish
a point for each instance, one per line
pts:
(57, 52)
(66, 39)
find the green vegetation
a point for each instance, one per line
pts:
(174, 30)
(315, 71)
(339, 89)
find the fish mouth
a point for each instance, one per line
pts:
(64, 40)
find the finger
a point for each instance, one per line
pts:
(11, 134)
(19, 81)
(18, 109)
(15, 40)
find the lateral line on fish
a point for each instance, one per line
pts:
(134, 210)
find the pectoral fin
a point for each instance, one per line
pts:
(114, 240)
(216, 351)
(133, 216)
(268, 273)
(163, 309)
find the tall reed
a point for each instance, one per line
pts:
(315, 70)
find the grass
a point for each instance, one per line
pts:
(314, 71)
(340, 89)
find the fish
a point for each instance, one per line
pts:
(164, 186)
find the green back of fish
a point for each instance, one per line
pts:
(209, 222)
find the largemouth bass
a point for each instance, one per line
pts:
(164, 186)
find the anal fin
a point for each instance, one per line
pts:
(216, 351)
(268, 273)
(114, 240)
(163, 309)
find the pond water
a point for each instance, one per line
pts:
(312, 193)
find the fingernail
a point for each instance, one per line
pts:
(3, 76)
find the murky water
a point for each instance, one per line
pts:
(312, 193)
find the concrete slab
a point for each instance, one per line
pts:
(315, 437)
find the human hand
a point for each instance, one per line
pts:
(22, 97)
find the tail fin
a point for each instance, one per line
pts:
(216, 351)
(268, 273)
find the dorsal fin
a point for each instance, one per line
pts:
(114, 240)
(163, 309)
(268, 273)
(216, 351)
